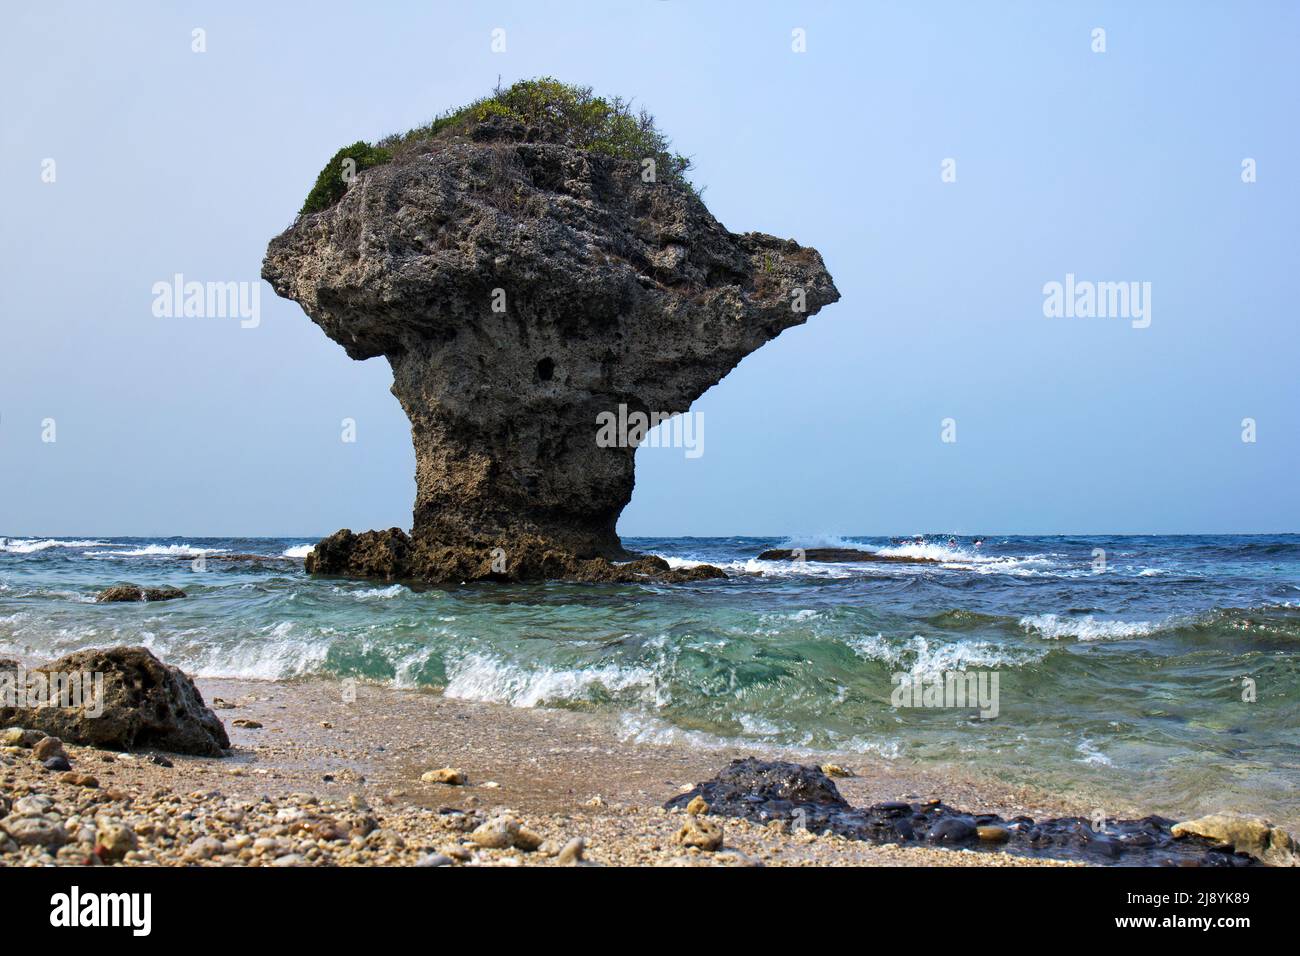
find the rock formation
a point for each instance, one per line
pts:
(520, 287)
(141, 703)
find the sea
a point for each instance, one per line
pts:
(1161, 672)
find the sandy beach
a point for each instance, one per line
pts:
(315, 780)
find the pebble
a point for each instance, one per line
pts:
(527, 840)
(33, 804)
(59, 764)
(433, 859)
(48, 747)
(448, 775)
(701, 833)
(204, 848)
(571, 852)
(114, 840)
(36, 831)
(79, 779)
(18, 737)
(497, 833)
(697, 806)
(952, 830)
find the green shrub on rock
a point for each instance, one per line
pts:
(333, 180)
(570, 115)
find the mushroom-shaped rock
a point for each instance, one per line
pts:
(532, 297)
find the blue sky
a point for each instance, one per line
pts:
(1115, 166)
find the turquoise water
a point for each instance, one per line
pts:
(1126, 679)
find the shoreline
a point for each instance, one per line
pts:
(316, 764)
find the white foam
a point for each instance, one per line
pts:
(644, 728)
(925, 659)
(375, 594)
(297, 551)
(1087, 628)
(949, 558)
(932, 552)
(32, 545)
(479, 677)
(277, 652)
(809, 541)
(1089, 754)
(158, 550)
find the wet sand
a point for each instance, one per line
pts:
(318, 762)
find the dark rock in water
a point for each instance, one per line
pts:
(242, 558)
(762, 791)
(529, 294)
(132, 592)
(769, 781)
(144, 703)
(952, 830)
(840, 555)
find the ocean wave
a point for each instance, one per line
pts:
(483, 678)
(373, 594)
(930, 551)
(297, 551)
(277, 652)
(32, 545)
(642, 728)
(925, 659)
(53, 594)
(1088, 628)
(809, 541)
(158, 550)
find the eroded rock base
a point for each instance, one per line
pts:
(393, 555)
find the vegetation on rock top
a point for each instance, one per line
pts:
(569, 115)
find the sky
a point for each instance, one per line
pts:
(1115, 165)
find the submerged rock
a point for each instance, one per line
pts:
(801, 797)
(133, 592)
(144, 703)
(528, 293)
